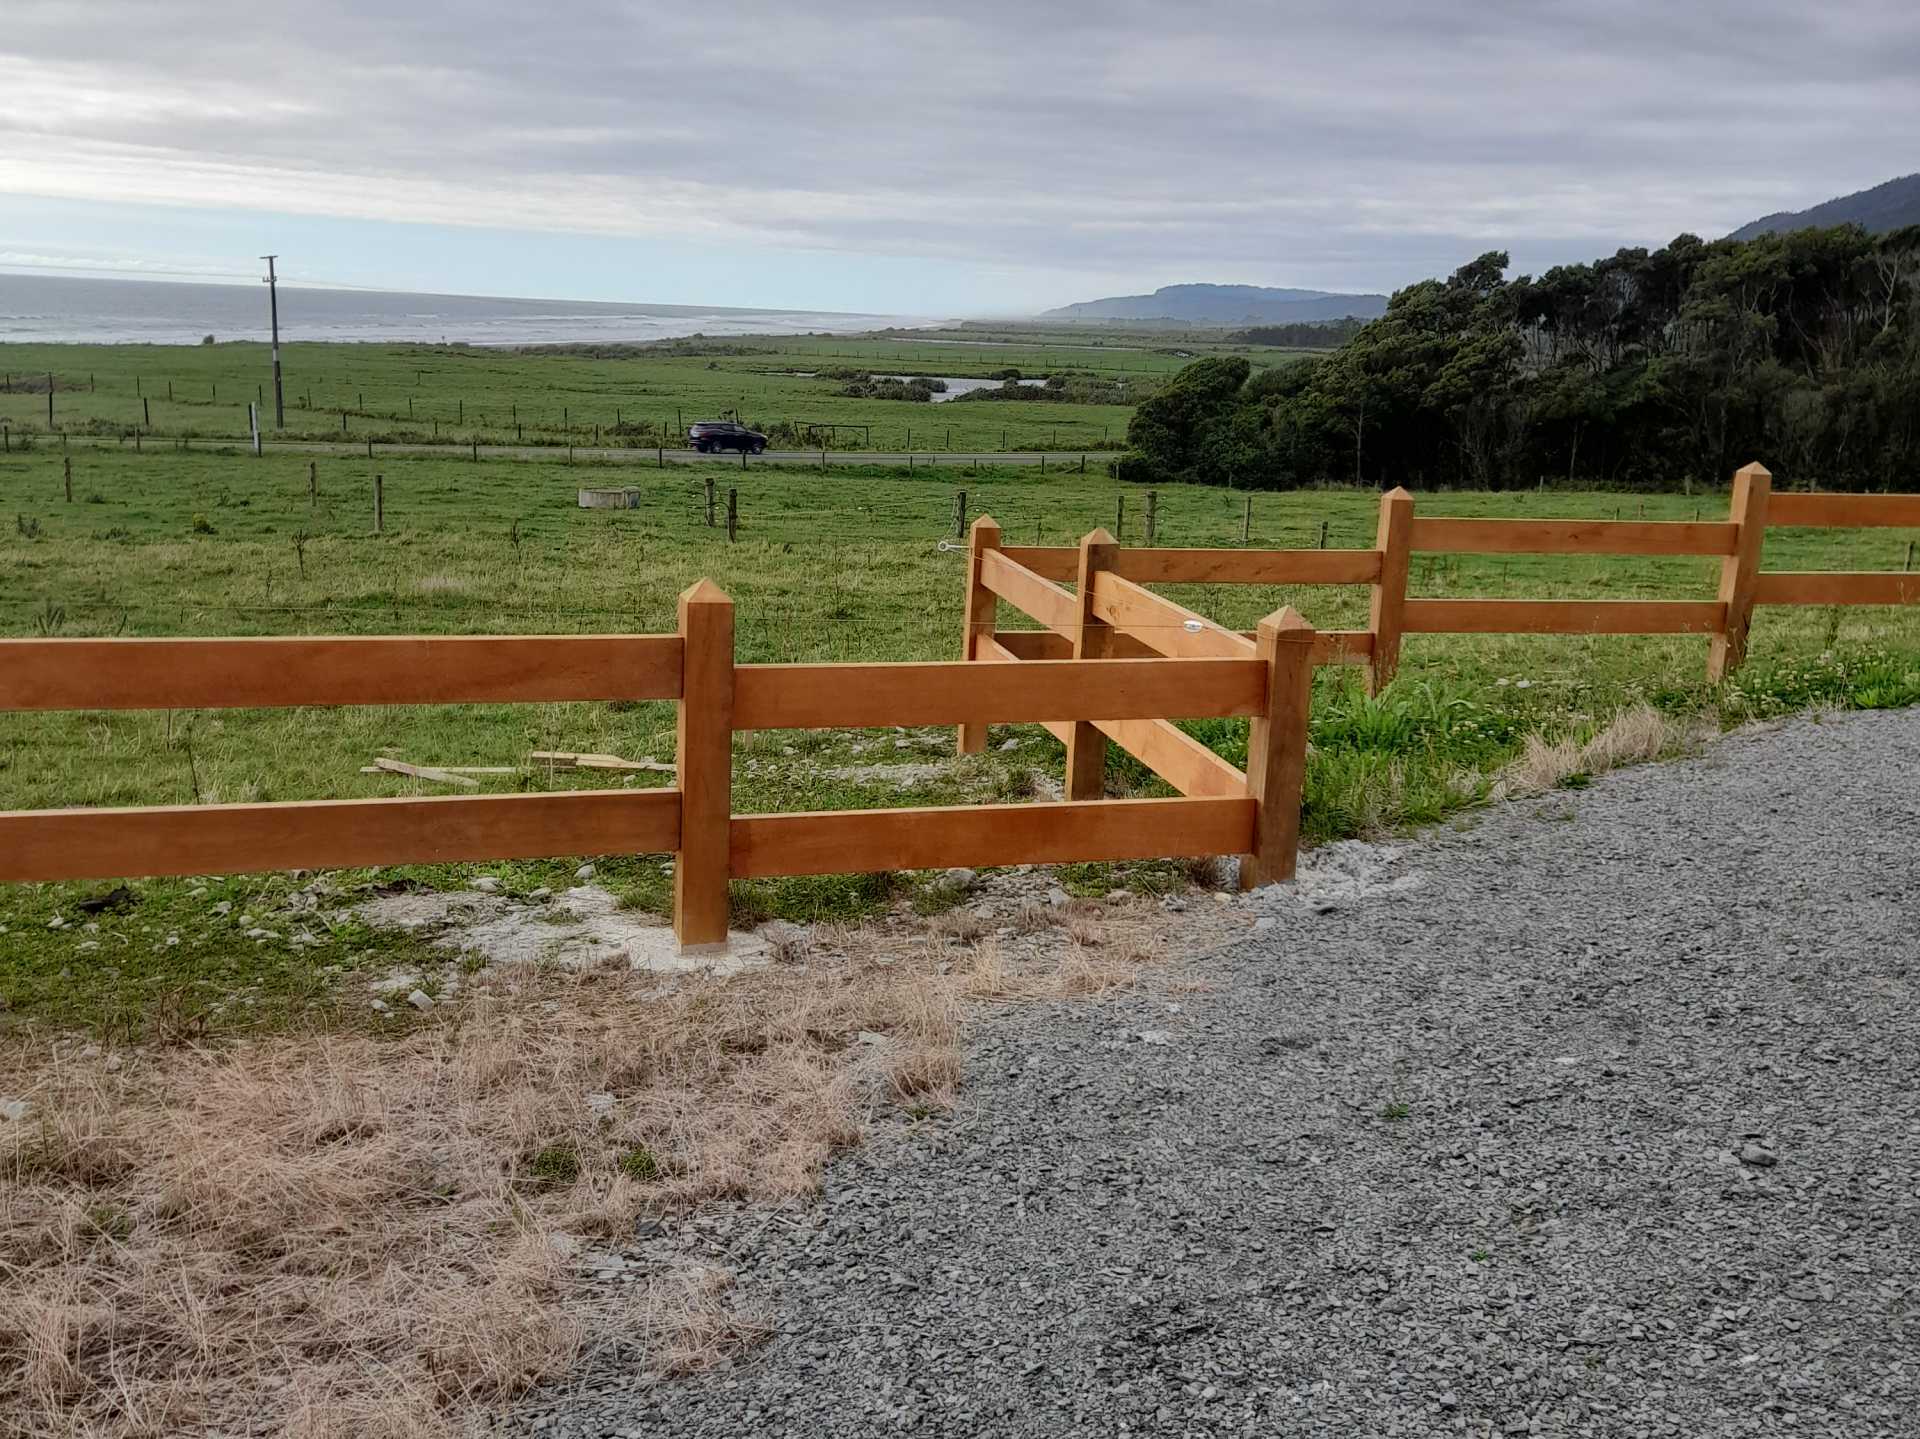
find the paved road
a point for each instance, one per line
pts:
(1596, 1119)
(1076, 460)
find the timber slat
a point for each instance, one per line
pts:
(1218, 567)
(1163, 625)
(62, 844)
(1177, 757)
(872, 695)
(1844, 511)
(1574, 537)
(1027, 592)
(1563, 617)
(1857, 587)
(859, 841)
(1050, 562)
(114, 674)
(1249, 567)
(1341, 647)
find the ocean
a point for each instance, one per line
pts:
(57, 309)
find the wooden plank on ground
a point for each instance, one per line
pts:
(1170, 628)
(1563, 617)
(1844, 511)
(867, 695)
(1250, 567)
(1027, 592)
(1573, 537)
(1858, 587)
(261, 673)
(41, 845)
(860, 841)
(570, 759)
(426, 772)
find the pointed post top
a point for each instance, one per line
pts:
(1755, 471)
(704, 592)
(1398, 492)
(983, 524)
(1098, 537)
(1287, 623)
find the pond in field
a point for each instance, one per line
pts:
(956, 387)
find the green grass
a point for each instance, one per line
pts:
(845, 566)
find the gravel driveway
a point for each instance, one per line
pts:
(1596, 1117)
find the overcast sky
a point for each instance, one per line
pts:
(991, 156)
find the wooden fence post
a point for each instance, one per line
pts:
(733, 513)
(1092, 640)
(977, 623)
(379, 504)
(1153, 513)
(1277, 748)
(1388, 611)
(704, 754)
(1752, 484)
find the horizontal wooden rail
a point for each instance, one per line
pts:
(1341, 647)
(870, 695)
(1219, 567)
(63, 844)
(1249, 567)
(1050, 562)
(1029, 593)
(1563, 617)
(857, 841)
(1169, 628)
(1844, 511)
(83, 674)
(1573, 537)
(1330, 647)
(1169, 751)
(1818, 587)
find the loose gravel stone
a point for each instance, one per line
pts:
(1467, 1141)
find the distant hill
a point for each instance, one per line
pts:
(1225, 305)
(1884, 207)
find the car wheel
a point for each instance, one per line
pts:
(700, 447)
(759, 449)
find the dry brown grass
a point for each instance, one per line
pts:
(1632, 736)
(338, 1235)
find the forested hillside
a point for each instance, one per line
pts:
(1656, 369)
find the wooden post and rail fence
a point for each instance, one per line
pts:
(1113, 663)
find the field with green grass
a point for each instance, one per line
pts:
(858, 564)
(561, 396)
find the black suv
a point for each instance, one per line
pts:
(710, 436)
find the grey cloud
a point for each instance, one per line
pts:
(1351, 144)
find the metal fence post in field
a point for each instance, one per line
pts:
(379, 504)
(709, 502)
(313, 483)
(1153, 514)
(704, 765)
(67, 465)
(733, 513)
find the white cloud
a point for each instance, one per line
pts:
(1322, 143)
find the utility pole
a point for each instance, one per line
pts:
(273, 303)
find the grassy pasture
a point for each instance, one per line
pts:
(847, 566)
(457, 393)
